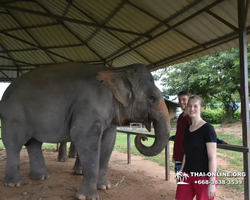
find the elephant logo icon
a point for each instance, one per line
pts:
(181, 177)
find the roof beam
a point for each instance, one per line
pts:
(36, 46)
(15, 60)
(31, 27)
(13, 1)
(4, 49)
(222, 20)
(58, 17)
(31, 36)
(6, 76)
(194, 50)
(104, 22)
(167, 30)
(155, 27)
(163, 23)
(40, 64)
(246, 12)
(45, 48)
(76, 36)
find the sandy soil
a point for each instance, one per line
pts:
(140, 180)
(235, 128)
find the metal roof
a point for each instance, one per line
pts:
(157, 33)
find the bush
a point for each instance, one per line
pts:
(212, 116)
(237, 115)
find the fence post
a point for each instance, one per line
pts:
(128, 148)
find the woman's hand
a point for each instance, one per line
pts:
(211, 191)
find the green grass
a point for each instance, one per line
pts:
(234, 158)
(121, 145)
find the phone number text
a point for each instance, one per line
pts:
(219, 182)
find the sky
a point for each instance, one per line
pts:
(3, 87)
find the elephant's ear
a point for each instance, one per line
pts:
(118, 83)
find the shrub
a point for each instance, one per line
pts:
(237, 115)
(214, 116)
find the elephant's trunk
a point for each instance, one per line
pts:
(161, 122)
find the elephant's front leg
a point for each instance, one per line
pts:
(107, 146)
(87, 143)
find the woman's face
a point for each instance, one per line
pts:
(194, 108)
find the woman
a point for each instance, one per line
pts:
(200, 156)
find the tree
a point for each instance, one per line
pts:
(215, 77)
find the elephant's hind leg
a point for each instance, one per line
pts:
(38, 170)
(13, 145)
(12, 176)
(72, 151)
(77, 169)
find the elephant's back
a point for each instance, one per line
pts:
(50, 84)
(51, 77)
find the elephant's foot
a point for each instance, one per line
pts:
(77, 170)
(15, 182)
(62, 159)
(87, 194)
(71, 156)
(39, 176)
(103, 184)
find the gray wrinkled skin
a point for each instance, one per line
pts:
(83, 104)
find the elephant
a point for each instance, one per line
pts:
(84, 104)
(62, 156)
(62, 152)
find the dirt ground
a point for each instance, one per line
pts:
(140, 180)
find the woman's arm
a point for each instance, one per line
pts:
(212, 164)
(183, 162)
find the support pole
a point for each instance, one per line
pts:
(167, 164)
(128, 149)
(242, 13)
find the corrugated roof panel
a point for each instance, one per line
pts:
(7, 22)
(84, 32)
(227, 10)
(5, 62)
(139, 42)
(204, 29)
(53, 36)
(32, 57)
(77, 54)
(27, 19)
(11, 43)
(130, 18)
(127, 38)
(123, 20)
(185, 40)
(137, 58)
(98, 10)
(77, 14)
(57, 7)
(9, 74)
(130, 58)
(159, 8)
(231, 44)
(165, 46)
(189, 12)
(105, 44)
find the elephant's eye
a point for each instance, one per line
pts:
(152, 97)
